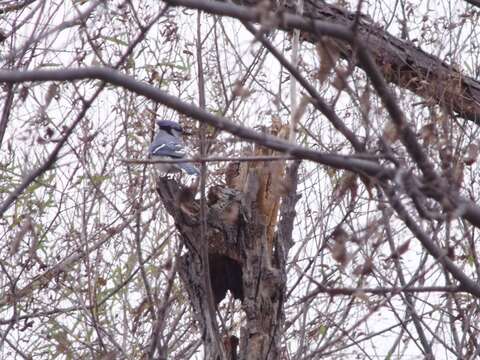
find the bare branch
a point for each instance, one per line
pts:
(405, 65)
(353, 163)
(16, 7)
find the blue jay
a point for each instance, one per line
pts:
(168, 145)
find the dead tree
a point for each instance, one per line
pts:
(247, 250)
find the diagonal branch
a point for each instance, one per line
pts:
(350, 162)
(401, 63)
(16, 6)
(86, 105)
(474, 2)
(471, 211)
(357, 164)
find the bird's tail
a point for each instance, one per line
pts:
(189, 168)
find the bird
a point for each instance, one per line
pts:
(168, 145)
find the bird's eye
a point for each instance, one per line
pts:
(168, 130)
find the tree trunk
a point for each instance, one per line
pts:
(242, 259)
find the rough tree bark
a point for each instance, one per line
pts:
(400, 61)
(245, 257)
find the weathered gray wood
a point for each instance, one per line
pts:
(239, 262)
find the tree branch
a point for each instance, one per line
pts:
(347, 291)
(353, 163)
(15, 7)
(371, 168)
(473, 2)
(401, 63)
(439, 254)
(357, 164)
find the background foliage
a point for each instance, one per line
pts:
(88, 253)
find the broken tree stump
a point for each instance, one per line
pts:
(247, 251)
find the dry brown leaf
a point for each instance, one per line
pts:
(52, 92)
(300, 110)
(471, 154)
(329, 54)
(339, 249)
(427, 133)
(399, 251)
(457, 173)
(365, 269)
(240, 90)
(24, 228)
(138, 312)
(340, 78)
(101, 281)
(390, 132)
(348, 182)
(365, 103)
(339, 253)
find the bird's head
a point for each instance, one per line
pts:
(170, 127)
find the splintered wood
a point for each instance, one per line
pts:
(263, 182)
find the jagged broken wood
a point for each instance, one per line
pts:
(240, 260)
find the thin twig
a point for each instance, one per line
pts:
(208, 159)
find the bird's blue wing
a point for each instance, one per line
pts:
(166, 145)
(170, 149)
